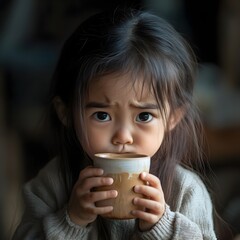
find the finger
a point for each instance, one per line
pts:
(99, 210)
(151, 179)
(149, 192)
(90, 172)
(146, 216)
(90, 183)
(93, 197)
(152, 206)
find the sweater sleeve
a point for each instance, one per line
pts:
(191, 219)
(194, 206)
(45, 212)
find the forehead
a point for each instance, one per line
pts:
(118, 85)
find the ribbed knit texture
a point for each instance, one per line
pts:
(188, 218)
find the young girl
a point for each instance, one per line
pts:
(123, 84)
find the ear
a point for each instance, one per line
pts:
(175, 118)
(61, 110)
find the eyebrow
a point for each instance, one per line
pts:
(97, 105)
(135, 105)
(145, 105)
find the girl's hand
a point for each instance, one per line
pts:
(154, 202)
(81, 207)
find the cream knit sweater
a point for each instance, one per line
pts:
(189, 218)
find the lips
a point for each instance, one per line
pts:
(121, 149)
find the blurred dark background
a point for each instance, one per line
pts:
(31, 35)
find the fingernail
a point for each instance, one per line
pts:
(111, 181)
(136, 188)
(133, 212)
(115, 193)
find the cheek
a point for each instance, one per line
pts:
(155, 144)
(152, 141)
(96, 140)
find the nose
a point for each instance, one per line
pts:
(122, 136)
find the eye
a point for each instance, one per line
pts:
(144, 117)
(102, 116)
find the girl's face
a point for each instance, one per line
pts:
(122, 117)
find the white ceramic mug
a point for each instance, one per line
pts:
(124, 169)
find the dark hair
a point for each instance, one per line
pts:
(138, 43)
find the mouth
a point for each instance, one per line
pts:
(121, 152)
(125, 152)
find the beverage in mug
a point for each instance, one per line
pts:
(124, 169)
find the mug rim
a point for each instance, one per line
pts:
(121, 156)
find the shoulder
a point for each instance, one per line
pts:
(48, 185)
(188, 178)
(49, 173)
(192, 199)
(189, 187)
